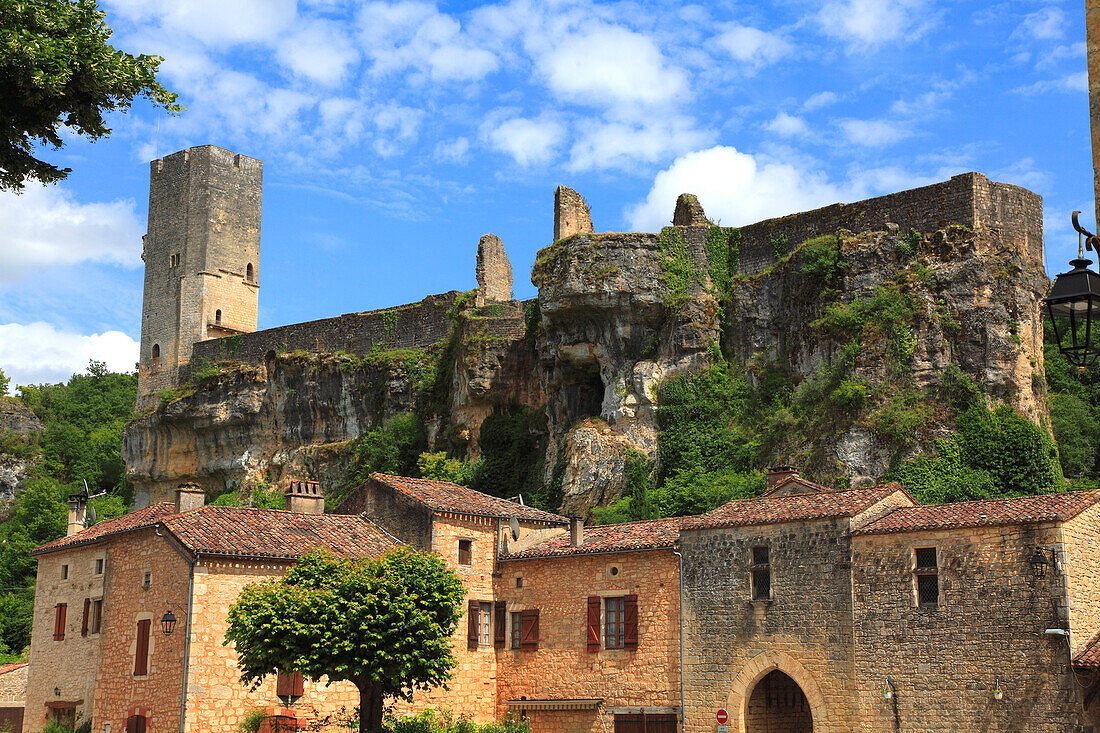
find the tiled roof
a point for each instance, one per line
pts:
(989, 512)
(774, 510)
(1089, 657)
(627, 537)
(805, 486)
(138, 519)
(443, 496)
(5, 668)
(271, 533)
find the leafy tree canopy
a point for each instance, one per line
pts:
(384, 625)
(57, 70)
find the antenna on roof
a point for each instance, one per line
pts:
(513, 525)
(89, 518)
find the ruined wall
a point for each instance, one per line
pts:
(494, 271)
(571, 214)
(405, 519)
(18, 418)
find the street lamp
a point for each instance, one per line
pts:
(1073, 302)
(1039, 561)
(168, 622)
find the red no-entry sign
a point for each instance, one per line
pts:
(722, 717)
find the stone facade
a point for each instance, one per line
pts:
(494, 271)
(13, 693)
(202, 258)
(571, 214)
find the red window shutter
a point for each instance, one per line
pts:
(500, 623)
(593, 623)
(289, 684)
(630, 618)
(141, 658)
(59, 621)
(529, 629)
(473, 611)
(87, 613)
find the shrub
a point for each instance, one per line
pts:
(252, 721)
(436, 721)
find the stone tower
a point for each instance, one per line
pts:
(202, 259)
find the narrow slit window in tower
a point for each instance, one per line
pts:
(156, 351)
(218, 316)
(250, 273)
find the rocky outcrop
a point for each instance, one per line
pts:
(18, 418)
(12, 473)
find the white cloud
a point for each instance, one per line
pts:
(1043, 25)
(39, 352)
(452, 151)
(527, 141)
(319, 51)
(874, 133)
(398, 125)
(752, 45)
(819, 100)
(732, 186)
(46, 227)
(618, 144)
(788, 125)
(610, 65)
(214, 22)
(869, 23)
(1077, 82)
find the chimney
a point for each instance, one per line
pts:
(189, 496)
(576, 531)
(305, 497)
(779, 474)
(78, 508)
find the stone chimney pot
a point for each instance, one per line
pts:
(189, 497)
(779, 474)
(305, 497)
(576, 531)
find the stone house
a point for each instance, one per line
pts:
(13, 693)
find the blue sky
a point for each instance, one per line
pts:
(394, 135)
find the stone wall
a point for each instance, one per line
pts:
(68, 665)
(731, 642)
(1081, 542)
(969, 199)
(412, 326)
(13, 683)
(405, 519)
(562, 667)
(571, 214)
(494, 271)
(990, 622)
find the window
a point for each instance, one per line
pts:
(479, 629)
(761, 574)
(87, 617)
(289, 684)
(250, 273)
(147, 579)
(927, 575)
(64, 572)
(614, 624)
(59, 621)
(136, 724)
(218, 316)
(464, 551)
(97, 615)
(486, 636)
(529, 629)
(174, 260)
(99, 566)
(156, 351)
(141, 655)
(517, 629)
(519, 581)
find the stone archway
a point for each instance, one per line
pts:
(756, 670)
(778, 705)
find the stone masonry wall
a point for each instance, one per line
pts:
(13, 685)
(969, 199)
(68, 665)
(571, 214)
(1081, 540)
(562, 667)
(945, 661)
(805, 630)
(494, 271)
(402, 517)
(416, 325)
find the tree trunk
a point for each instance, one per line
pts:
(370, 707)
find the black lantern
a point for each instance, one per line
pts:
(1073, 302)
(1039, 562)
(168, 622)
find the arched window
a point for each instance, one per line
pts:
(218, 316)
(136, 724)
(156, 351)
(250, 273)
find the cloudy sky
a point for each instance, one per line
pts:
(394, 135)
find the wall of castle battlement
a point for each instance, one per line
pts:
(969, 199)
(410, 326)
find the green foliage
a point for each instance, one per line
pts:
(252, 721)
(385, 625)
(781, 246)
(392, 448)
(58, 73)
(889, 314)
(438, 467)
(821, 261)
(908, 244)
(532, 320)
(509, 454)
(262, 496)
(1074, 401)
(5, 382)
(17, 446)
(678, 271)
(444, 721)
(723, 246)
(896, 420)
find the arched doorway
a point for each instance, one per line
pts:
(778, 705)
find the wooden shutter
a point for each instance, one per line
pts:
(135, 724)
(59, 621)
(529, 629)
(593, 623)
(630, 617)
(500, 624)
(87, 613)
(141, 658)
(289, 684)
(473, 610)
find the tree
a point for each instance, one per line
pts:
(58, 70)
(5, 380)
(385, 625)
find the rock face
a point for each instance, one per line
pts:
(18, 418)
(12, 472)
(619, 314)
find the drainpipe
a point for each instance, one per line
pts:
(683, 711)
(187, 639)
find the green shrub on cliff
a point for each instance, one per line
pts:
(393, 448)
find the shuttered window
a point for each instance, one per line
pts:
(761, 574)
(59, 621)
(97, 615)
(593, 623)
(500, 623)
(630, 622)
(517, 629)
(141, 656)
(87, 617)
(927, 573)
(473, 613)
(529, 629)
(289, 684)
(614, 623)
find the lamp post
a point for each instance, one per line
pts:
(1073, 303)
(1040, 563)
(168, 622)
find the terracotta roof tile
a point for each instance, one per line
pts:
(774, 510)
(5, 668)
(443, 496)
(804, 485)
(626, 537)
(989, 512)
(271, 533)
(1089, 657)
(137, 519)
